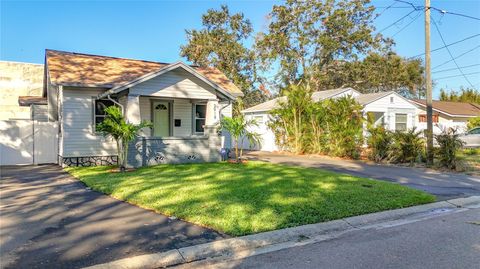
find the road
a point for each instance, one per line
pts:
(444, 185)
(447, 241)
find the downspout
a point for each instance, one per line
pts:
(117, 103)
(222, 108)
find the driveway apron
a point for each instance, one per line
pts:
(51, 220)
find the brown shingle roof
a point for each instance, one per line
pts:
(85, 70)
(452, 108)
(29, 100)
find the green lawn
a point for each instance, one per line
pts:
(472, 157)
(250, 198)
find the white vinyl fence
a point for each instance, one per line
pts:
(28, 142)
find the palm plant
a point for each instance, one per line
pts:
(407, 147)
(449, 145)
(292, 116)
(115, 126)
(238, 129)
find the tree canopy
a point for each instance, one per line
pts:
(464, 95)
(220, 43)
(325, 43)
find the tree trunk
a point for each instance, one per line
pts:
(125, 154)
(119, 154)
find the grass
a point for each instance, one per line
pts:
(472, 157)
(249, 198)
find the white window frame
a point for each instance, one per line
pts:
(195, 118)
(397, 122)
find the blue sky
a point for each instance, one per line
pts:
(154, 30)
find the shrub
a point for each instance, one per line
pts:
(378, 142)
(333, 126)
(290, 120)
(449, 145)
(343, 127)
(407, 147)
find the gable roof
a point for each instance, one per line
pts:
(86, 70)
(321, 95)
(368, 98)
(316, 96)
(451, 108)
(266, 106)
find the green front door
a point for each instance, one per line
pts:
(161, 119)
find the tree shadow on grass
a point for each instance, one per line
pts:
(256, 197)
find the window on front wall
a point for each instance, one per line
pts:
(423, 118)
(258, 119)
(99, 110)
(401, 122)
(199, 118)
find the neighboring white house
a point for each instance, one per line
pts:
(183, 102)
(388, 108)
(445, 115)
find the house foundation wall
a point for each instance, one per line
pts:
(147, 151)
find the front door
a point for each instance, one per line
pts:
(161, 119)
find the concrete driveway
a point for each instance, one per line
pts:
(51, 220)
(441, 184)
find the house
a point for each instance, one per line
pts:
(445, 115)
(183, 102)
(18, 80)
(387, 108)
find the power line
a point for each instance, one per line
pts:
(456, 57)
(397, 21)
(385, 9)
(450, 69)
(442, 11)
(473, 73)
(450, 53)
(448, 45)
(403, 28)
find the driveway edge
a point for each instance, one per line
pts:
(270, 241)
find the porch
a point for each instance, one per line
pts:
(184, 130)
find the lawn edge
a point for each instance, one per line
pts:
(249, 245)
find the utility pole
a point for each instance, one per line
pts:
(428, 83)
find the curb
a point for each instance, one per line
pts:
(278, 239)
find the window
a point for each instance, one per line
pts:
(391, 100)
(199, 119)
(401, 122)
(99, 110)
(423, 118)
(376, 118)
(258, 119)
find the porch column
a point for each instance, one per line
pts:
(211, 117)
(132, 113)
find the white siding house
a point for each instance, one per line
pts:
(389, 108)
(445, 115)
(183, 103)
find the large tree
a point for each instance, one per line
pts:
(220, 43)
(305, 38)
(387, 72)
